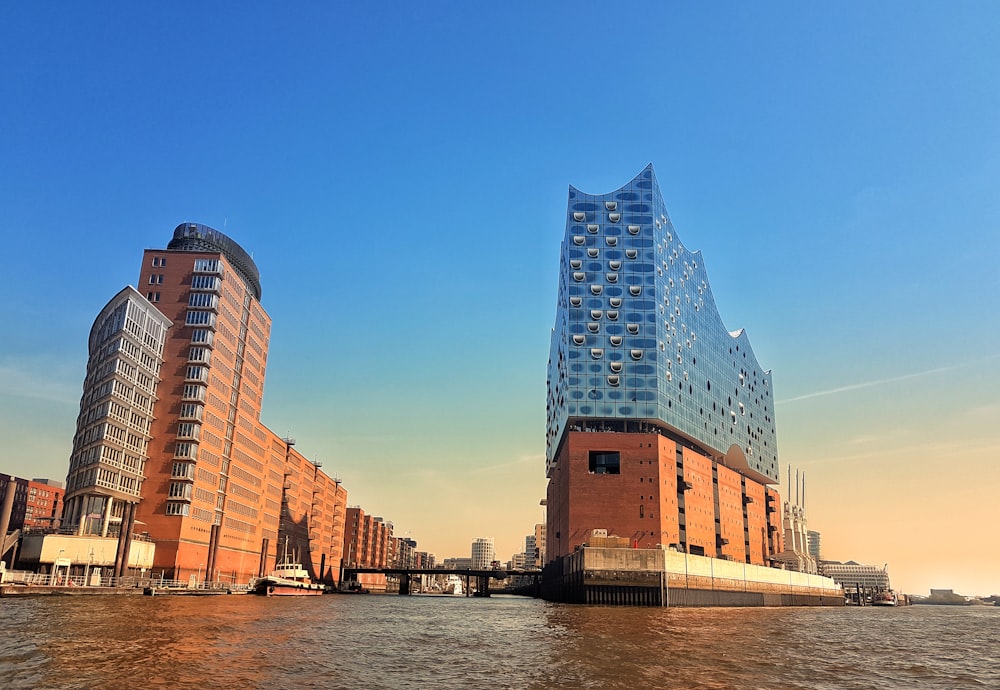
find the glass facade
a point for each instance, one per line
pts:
(638, 340)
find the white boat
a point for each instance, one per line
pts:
(287, 579)
(453, 585)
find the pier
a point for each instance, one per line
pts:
(662, 577)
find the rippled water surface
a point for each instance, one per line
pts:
(502, 642)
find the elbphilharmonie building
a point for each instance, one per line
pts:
(660, 421)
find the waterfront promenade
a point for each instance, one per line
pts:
(19, 583)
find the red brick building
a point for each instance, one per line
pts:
(222, 496)
(37, 502)
(367, 544)
(655, 491)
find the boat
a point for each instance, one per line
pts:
(287, 579)
(453, 585)
(886, 598)
(353, 587)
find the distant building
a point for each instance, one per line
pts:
(405, 552)
(530, 550)
(423, 559)
(34, 504)
(539, 559)
(366, 540)
(660, 421)
(483, 553)
(45, 504)
(37, 502)
(815, 550)
(457, 564)
(853, 576)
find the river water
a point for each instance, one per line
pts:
(502, 642)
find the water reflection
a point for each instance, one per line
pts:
(454, 642)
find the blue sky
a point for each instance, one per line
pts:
(400, 174)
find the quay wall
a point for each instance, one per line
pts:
(661, 577)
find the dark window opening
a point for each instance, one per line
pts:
(605, 462)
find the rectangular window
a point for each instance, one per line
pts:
(193, 392)
(182, 470)
(200, 318)
(153, 296)
(198, 354)
(188, 430)
(182, 509)
(206, 266)
(180, 490)
(205, 283)
(605, 462)
(203, 299)
(200, 335)
(159, 261)
(191, 411)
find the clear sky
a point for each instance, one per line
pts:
(400, 173)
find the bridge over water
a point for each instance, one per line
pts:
(482, 577)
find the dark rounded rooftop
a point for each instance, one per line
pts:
(195, 237)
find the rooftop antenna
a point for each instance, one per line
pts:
(803, 490)
(797, 486)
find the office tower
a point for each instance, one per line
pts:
(660, 421)
(224, 497)
(483, 553)
(108, 461)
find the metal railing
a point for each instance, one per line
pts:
(18, 577)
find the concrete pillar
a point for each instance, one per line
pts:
(125, 536)
(106, 519)
(82, 517)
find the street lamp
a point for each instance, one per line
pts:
(197, 579)
(86, 571)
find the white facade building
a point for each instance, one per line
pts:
(108, 459)
(483, 553)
